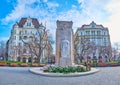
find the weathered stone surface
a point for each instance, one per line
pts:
(64, 32)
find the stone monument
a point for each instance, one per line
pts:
(64, 43)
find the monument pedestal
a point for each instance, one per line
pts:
(65, 61)
(64, 43)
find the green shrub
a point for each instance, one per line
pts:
(18, 62)
(118, 61)
(68, 69)
(113, 62)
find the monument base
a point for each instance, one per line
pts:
(65, 62)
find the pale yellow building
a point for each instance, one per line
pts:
(23, 32)
(97, 36)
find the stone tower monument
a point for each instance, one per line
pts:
(64, 43)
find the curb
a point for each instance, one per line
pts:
(39, 71)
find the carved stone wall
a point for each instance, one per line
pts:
(64, 31)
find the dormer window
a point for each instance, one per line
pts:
(93, 25)
(28, 24)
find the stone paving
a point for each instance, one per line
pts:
(21, 76)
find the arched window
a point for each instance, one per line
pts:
(24, 50)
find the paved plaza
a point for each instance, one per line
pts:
(22, 76)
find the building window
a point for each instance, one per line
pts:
(99, 41)
(14, 37)
(93, 39)
(31, 32)
(25, 37)
(24, 50)
(25, 31)
(104, 39)
(28, 24)
(98, 32)
(93, 26)
(19, 44)
(14, 44)
(81, 34)
(104, 33)
(92, 32)
(20, 37)
(14, 31)
(87, 32)
(30, 38)
(20, 33)
(36, 33)
(19, 51)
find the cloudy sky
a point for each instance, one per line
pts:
(105, 12)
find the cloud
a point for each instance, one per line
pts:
(52, 4)
(88, 11)
(105, 12)
(33, 8)
(114, 19)
(45, 0)
(44, 11)
(80, 1)
(4, 38)
(21, 9)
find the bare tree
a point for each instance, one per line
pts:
(114, 53)
(106, 52)
(38, 42)
(82, 48)
(3, 49)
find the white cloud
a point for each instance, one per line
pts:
(25, 8)
(45, 0)
(88, 10)
(52, 4)
(22, 8)
(79, 1)
(4, 38)
(114, 19)
(91, 11)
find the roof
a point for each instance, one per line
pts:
(34, 21)
(92, 25)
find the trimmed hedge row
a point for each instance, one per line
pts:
(15, 64)
(104, 64)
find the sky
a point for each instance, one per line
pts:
(105, 12)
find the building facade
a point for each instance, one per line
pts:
(93, 41)
(25, 42)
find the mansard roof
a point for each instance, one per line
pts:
(34, 21)
(92, 25)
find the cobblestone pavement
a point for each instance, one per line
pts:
(21, 76)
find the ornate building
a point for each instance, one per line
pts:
(92, 41)
(25, 41)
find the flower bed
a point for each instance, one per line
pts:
(35, 65)
(112, 63)
(3, 63)
(41, 65)
(102, 64)
(24, 65)
(13, 64)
